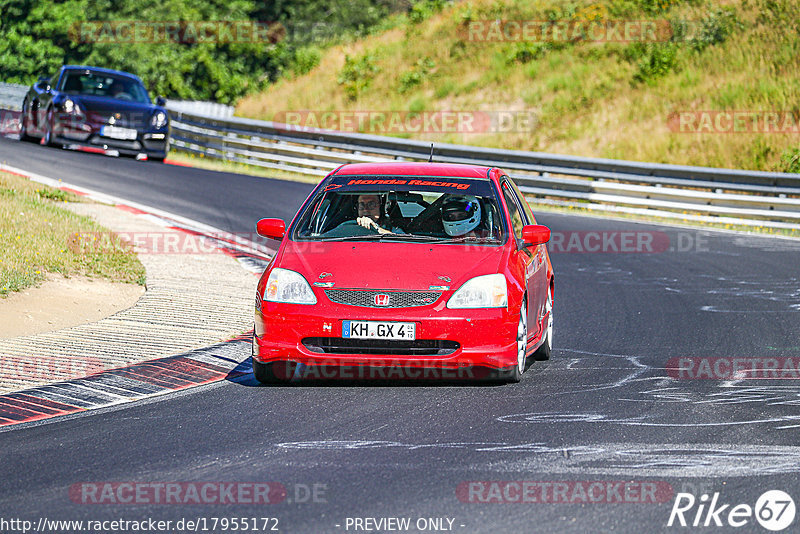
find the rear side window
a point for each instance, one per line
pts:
(517, 222)
(526, 209)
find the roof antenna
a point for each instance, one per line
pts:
(430, 159)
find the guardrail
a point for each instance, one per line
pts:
(752, 198)
(206, 109)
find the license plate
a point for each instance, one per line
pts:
(115, 132)
(378, 330)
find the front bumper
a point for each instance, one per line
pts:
(447, 340)
(153, 143)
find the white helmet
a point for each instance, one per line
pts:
(460, 214)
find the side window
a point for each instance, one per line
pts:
(526, 209)
(517, 221)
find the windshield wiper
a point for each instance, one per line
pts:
(472, 239)
(350, 238)
(414, 237)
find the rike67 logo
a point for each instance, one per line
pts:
(774, 510)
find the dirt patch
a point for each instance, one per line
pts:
(62, 303)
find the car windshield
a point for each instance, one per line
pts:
(415, 209)
(107, 85)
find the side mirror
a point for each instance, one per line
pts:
(275, 228)
(161, 101)
(535, 234)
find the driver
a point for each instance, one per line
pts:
(461, 216)
(371, 216)
(118, 90)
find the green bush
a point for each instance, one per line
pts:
(418, 74)
(784, 13)
(305, 59)
(653, 60)
(791, 160)
(357, 74)
(423, 9)
(525, 52)
(715, 28)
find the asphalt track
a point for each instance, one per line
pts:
(604, 408)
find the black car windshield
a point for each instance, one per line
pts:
(83, 82)
(411, 209)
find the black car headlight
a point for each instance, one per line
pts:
(71, 107)
(159, 119)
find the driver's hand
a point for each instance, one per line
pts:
(367, 223)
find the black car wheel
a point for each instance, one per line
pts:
(543, 352)
(23, 124)
(273, 372)
(48, 129)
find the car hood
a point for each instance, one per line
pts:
(103, 104)
(131, 114)
(390, 265)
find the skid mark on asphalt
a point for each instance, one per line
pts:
(756, 293)
(641, 384)
(128, 384)
(773, 395)
(630, 459)
(558, 418)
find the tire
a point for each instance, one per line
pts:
(515, 374)
(273, 372)
(264, 372)
(23, 125)
(48, 129)
(543, 352)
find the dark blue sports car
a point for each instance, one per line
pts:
(105, 109)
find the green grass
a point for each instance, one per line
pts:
(38, 236)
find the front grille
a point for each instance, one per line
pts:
(419, 347)
(397, 299)
(116, 143)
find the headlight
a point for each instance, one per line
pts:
(284, 285)
(487, 291)
(71, 107)
(159, 119)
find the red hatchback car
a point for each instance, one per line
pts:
(418, 270)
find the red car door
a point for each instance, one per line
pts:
(532, 257)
